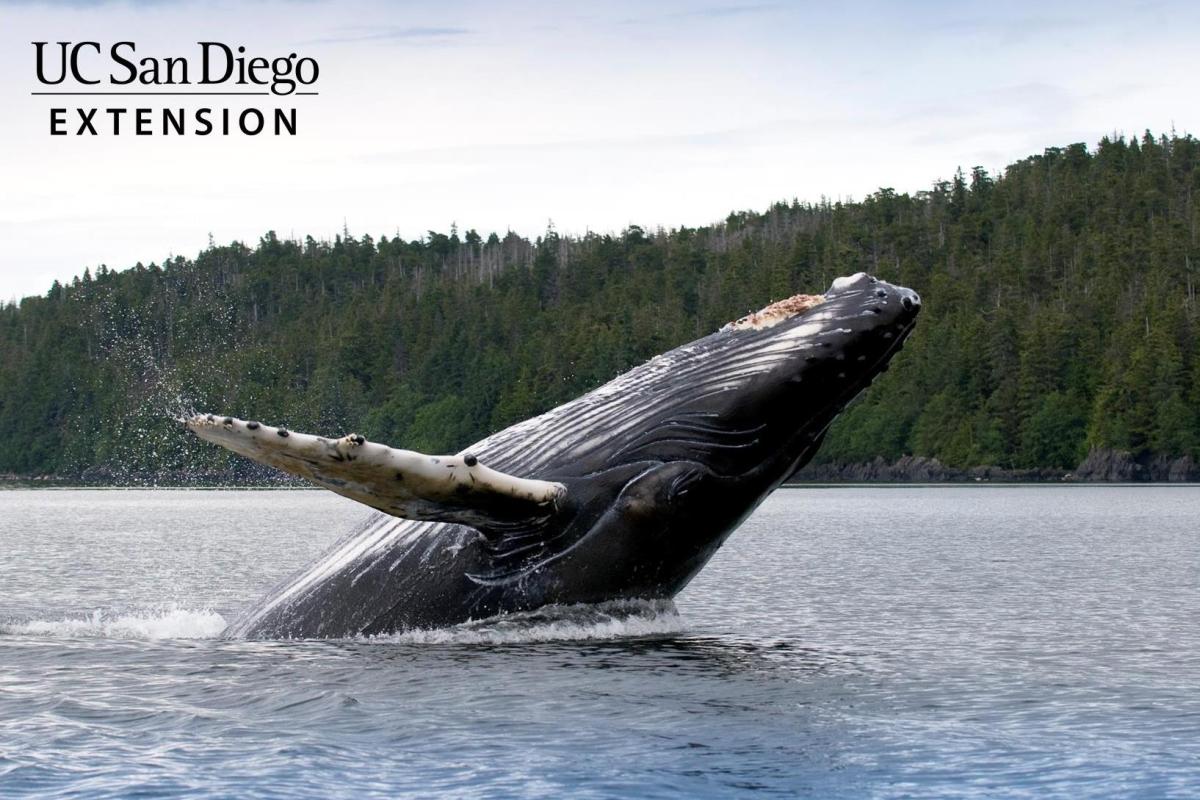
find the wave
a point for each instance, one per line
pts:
(165, 622)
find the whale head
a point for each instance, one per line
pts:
(662, 463)
(750, 398)
(796, 364)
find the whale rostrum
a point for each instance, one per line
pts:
(622, 493)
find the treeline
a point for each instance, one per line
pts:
(1060, 315)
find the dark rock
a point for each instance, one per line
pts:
(909, 469)
(918, 469)
(1183, 470)
(1103, 464)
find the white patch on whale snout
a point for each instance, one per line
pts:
(846, 281)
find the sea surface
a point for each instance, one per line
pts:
(991, 641)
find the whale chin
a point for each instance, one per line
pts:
(625, 492)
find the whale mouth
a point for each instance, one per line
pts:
(775, 313)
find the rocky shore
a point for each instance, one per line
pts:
(1100, 466)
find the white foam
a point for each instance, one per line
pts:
(604, 621)
(556, 624)
(168, 622)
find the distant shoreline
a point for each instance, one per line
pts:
(1100, 466)
(1109, 467)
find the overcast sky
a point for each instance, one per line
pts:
(505, 115)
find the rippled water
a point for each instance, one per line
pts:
(847, 642)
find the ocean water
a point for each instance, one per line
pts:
(847, 642)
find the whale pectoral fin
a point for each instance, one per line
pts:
(402, 483)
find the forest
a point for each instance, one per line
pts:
(1060, 316)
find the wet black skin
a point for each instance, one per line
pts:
(643, 513)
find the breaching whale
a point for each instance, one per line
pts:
(623, 493)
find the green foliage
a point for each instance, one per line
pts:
(1060, 314)
(1052, 434)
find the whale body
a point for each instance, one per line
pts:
(623, 493)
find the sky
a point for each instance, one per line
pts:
(588, 116)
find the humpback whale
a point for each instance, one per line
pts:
(623, 493)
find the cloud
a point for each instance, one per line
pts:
(707, 12)
(82, 3)
(391, 34)
(1012, 30)
(730, 11)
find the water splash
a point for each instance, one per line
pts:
(623, 619)
(161, 374)
(171, 621)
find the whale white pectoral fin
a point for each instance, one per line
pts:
(402, 483)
